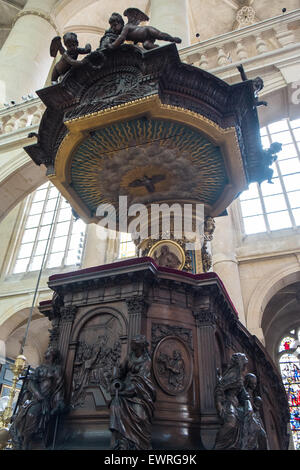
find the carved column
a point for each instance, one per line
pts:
(137, 308)
(67, 315)
(205, 323)
(171, 16)
(24, 58)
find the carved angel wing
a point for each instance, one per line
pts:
(55, 46)
(135, 14)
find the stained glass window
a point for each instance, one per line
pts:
(289, 362)
(49, 224)
(269, 207)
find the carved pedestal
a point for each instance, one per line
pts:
(192, 330)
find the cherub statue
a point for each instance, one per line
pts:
(258, 85)
(146, 35)
(116, 23)
(269, 156)
(69, 55)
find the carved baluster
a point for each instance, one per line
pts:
(284, 35)
(10, 125)
(261, 45)
(203, 64)
(22, 121)
(241, 51)
(222, 57)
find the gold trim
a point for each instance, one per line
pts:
(151, 107)
(169, 242)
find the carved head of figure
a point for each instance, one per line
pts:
(258, 84)
(250, 382)
(139, 345)
(116, 23)
(275, 147)
(52, 356)
(70, 41)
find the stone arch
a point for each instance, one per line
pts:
(264, 291)
(19, 183)
(13, 328)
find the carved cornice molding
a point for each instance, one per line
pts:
(40, 14)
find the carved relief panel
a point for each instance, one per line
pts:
(172, 358)
(98, 352)
(173, 365)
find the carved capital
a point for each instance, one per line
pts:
(137, 305)
(204, 316)
(67, 314)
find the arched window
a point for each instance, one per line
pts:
(268, 207)
(289, 362)
(127, 248)
(48, 214)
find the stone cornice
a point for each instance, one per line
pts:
(238, 35)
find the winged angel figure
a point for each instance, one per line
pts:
(68, 56)
(147, 35)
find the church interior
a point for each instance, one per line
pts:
(52, 247)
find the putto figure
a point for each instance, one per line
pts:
(147, 35)
(116, 23)
(133, 396)
(69, 55)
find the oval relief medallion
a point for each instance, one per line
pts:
(173, 365)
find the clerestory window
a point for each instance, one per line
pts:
(269, 207)
(50, 233)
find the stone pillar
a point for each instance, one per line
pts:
(225, 263)
(25, 58)
(171, 16)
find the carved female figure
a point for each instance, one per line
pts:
(228, 404)
(44, 397)
(132, 405)
(254, 435)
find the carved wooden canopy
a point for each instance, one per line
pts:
(146, 125)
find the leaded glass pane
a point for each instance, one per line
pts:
(290, 371)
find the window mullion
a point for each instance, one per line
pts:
(263, 208)
(53, 228)
(293, 137)
(68, 240)
(35, 243)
